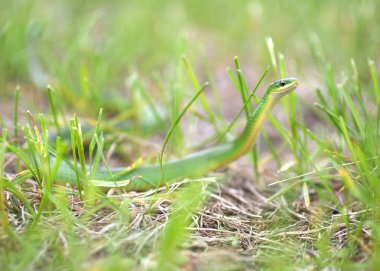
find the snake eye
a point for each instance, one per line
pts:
(282, 83)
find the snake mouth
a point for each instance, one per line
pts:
(295, 83)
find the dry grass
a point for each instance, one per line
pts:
(232, 231)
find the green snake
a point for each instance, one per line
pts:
(196, 164)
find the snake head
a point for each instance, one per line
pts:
(283, 86)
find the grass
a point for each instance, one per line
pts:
(111, 80)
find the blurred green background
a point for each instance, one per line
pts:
(88, 49)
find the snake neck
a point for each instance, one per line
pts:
(255, 122)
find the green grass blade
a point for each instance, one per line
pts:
(15, 115)
(243, 89)
(272, 54)
(172, 128)
(246, 103)
(4, 222)
(175, 233)
(53, 109)
(202, 97)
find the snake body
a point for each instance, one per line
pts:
(196, 164)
